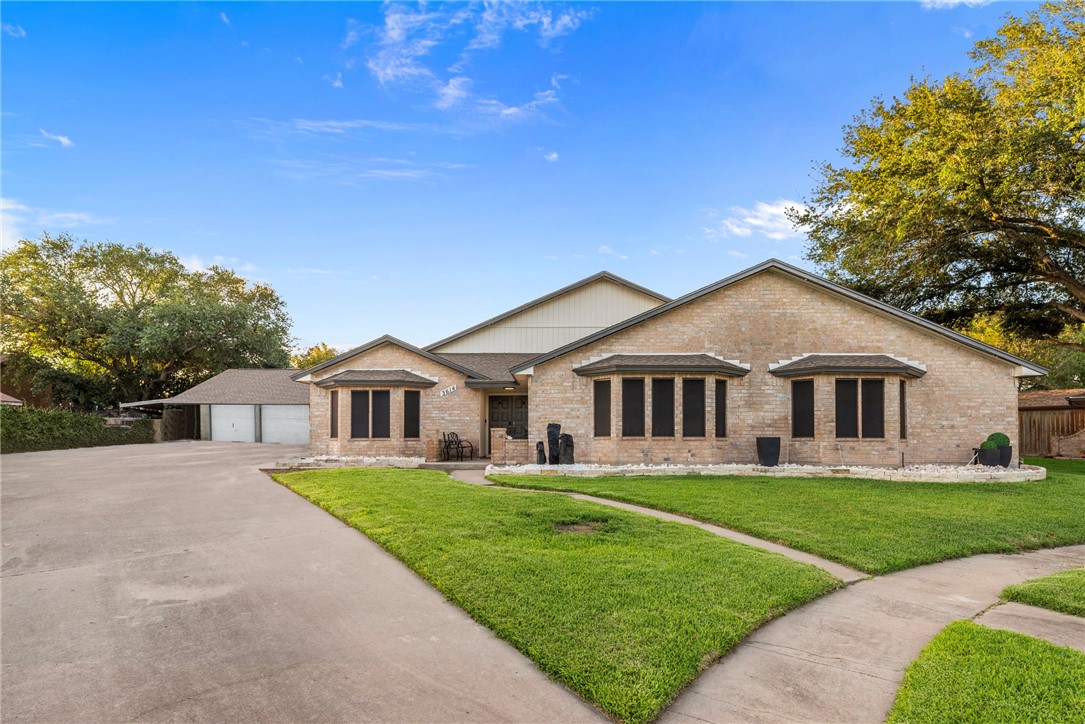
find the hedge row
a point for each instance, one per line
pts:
(25, 429)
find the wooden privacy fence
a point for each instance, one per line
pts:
(1040, 428)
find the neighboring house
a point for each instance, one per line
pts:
(256, 405)
(19, 394)
(1048, 416)
(635, 377)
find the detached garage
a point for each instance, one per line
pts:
(246, 406)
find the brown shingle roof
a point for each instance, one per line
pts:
(847, 363)
(390, 378)
(1048, 399)
(492, 365)
(660, 363)
(240, 387)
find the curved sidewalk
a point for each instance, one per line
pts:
(848, 575)
(841, 658)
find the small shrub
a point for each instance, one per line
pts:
(1000, 439)
(25, 429)
(988, 445)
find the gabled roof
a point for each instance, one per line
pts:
(803, 275)
(239, 387)
(382, 378)
(1051, 399)
(688, 363)
(603, 275)
(491, 365)
(847, 364)
(386, 339)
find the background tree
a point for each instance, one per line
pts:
(312, 357)
(130, 322)
(965, 197)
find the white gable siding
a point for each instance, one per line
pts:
(558, 321)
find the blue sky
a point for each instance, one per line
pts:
(414, 169)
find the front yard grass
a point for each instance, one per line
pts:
(970, 673)
(622, 608)
(1063, 592)
(873, 525)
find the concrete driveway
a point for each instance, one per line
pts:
(177, 582)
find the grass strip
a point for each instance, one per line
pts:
(970, 673)
(624, 609)
(873, 525)
(1063, 592)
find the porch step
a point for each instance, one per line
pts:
(449, 467)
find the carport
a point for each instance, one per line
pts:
(259, 405)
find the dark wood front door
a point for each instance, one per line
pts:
(509, 412)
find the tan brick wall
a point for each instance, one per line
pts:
(505, 451)
(764, 319)
(457, 411)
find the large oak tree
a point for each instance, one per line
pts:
(965, 196)
(132, 321)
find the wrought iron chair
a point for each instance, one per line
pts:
(453, 444)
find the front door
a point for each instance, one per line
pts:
(509, 412)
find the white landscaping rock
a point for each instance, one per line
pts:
(911, 473)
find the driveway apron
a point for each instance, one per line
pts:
(178, 582)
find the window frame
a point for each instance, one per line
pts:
(355, 419)
(601, 413)
(795, 410)
(687, 414)
(721, 408)
(416, 408)
(333, 408)
(852, 407)
(629, 383)
(864, 418)
(663, 413)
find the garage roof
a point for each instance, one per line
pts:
(239, 387)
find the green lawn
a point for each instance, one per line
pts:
(970, 673)
(875, 526)
(1064, 591)
(622, 608)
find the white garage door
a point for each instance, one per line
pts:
(286, 424)
(233, 423)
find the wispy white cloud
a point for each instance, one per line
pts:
(15, 31)
(764, 219)
(736, 253)
(225, 19)
(64, 141)
(606, 250)
(497, 18)
(400, 51)
(552, 156)
(963, 32)
(949, 4)
(453, 93)
(350, 170)
(336, 82)
(351, 37)
(194, 262)
(17, 220)
(496, 109)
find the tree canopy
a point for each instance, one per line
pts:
(313, 356)
(130, 321)
(965, 196)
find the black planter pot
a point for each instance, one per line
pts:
(1005, 455)
(768, 451)
(989, 457)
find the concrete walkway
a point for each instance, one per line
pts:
(842, 657)
(848, 575)
(1060, 629)
(177, 582)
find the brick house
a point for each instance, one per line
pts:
(635, 377)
